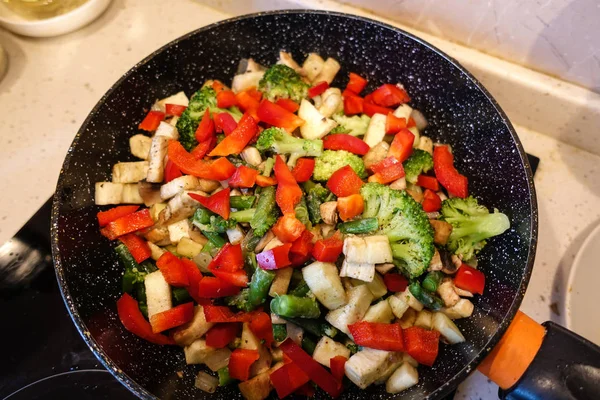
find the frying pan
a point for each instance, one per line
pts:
(460, 112)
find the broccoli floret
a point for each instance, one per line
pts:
(354, 125)
(282, 82)
(404, 222)
(419, 161)
(471, 224)
(191, 117)
(266, 213)
(332, 160)
(316, 194)
(279, 141)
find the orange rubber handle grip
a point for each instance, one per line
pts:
(508, 361)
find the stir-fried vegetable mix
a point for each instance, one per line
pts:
(287, 233)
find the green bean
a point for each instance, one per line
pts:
(241, 202)
(308, 345)
(293, 306)
(432, 281)
(279, 332)
(429, 300)
(359, 226)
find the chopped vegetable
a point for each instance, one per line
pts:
(470, 279)
(345, 142)
(395, 282)
(356, 83)
(422, 344)
(344, 182)
(426, 298)
(282, 82)
(419, 162)
(354, 125)
(295, 307)
(137, 246)
(332, 160)
(402, 145)
(152, 120)
(278, 116)
(133, 320)
(172, 318)
(328, 250)
(127, 224)
(288, 379)
(377, 335)
(105, 217)
(303, 169)
(472, 224)
(431, 201)
(388, 95)
(237, 140)
(266, 212)
(240, 362)
(446, 173)
(275, 258)
(280, 142)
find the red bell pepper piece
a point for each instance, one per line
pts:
(172, 269)
(303, 169)
(206, 128)
(217, 86)
(301, 248)
(313, 369)
(402, 145)
(336, 364)
(174, 109)
(229, 258)
(470, 279)
(317, 89)
(371, 109)
(278, 116)
(328, 250)
(218, 170)
(411, 122)
(171, 171)
(422, 344)
(377, 335)
(356, 83)
(254, 93)
(342, 141)
(226, 99)
(172, 318)
(236, 278)
(127, 224)
(108, 216)
(288, 104)
(194, 277)
(152, 120)
(276, 258)
(288, 379)
(218, 314)
(288, 192)
(395, 282)
(240, 362)
(387, 170)
(217, 203)
(248, 103)
(238, 139)
(133, 320)
(204, 148)
(243, 177)
(447, 175)
(388, 95)
(431, 201)
(288, 228)
(428, 182)
(225, 123)
(394, 124)
(137, 246)
(350, 206)
(261, 327)
(210, 287)
(220, 335)
(344, 182)
(353, 105)
(264, 181)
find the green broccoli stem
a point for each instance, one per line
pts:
(432, 281)
(359, 226)
(429, 300)
(479, 228)
(295, 307)
(241, 202)
(269, 164)
(279, 332)
(243, 215)
(317, 327)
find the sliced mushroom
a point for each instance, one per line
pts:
(449, 266)
(150, 193)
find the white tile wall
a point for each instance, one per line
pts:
(558, 37)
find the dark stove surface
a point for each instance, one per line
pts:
(43, 355)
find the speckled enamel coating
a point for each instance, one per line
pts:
(459, 110)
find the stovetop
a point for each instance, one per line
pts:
(44, 357)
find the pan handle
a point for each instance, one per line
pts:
(547, 361)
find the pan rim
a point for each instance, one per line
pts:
(441, 391)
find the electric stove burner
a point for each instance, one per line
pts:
(84, 384)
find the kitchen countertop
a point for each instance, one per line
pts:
(52, 84)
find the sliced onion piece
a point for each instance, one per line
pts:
(206, 382)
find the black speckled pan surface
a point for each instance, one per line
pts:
(460, 111)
